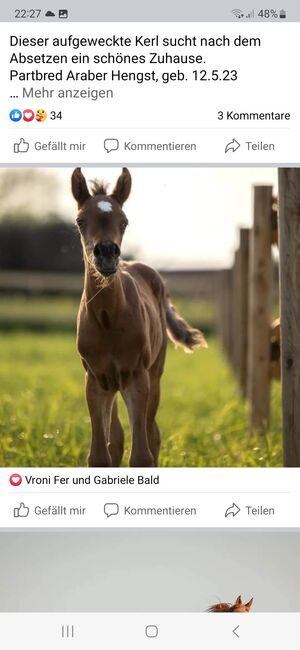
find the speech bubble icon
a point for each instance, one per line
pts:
(111, 509)
(111, 144)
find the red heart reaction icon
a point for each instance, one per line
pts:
(15, 480)
(28, 115)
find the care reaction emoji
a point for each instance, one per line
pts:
(28, 115)
(40, 115)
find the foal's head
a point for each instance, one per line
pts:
(101, 220)
(238, 606)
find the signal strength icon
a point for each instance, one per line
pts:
(250, 15)
(237, 13)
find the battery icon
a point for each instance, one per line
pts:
(282, 13)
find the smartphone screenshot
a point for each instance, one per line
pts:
(149, 325)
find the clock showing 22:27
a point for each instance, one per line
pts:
(27, 13)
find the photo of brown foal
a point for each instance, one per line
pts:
(124, 319)
(237, 607)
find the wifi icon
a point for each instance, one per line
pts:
(237, 13)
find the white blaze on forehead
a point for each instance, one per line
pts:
(105, 206)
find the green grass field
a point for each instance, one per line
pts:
(44, 420)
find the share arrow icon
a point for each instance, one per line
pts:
(232, 510)
(233, 145)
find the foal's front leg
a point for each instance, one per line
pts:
(100, 404)
(136, 396)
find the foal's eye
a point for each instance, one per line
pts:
(80, 223)
(124, 225)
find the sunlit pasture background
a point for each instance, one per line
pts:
(180, 220)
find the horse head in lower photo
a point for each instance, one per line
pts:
(237, 607)
(124, 319)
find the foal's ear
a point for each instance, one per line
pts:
(79, 187)
(238, 600)
(249, 605)
(123, 187)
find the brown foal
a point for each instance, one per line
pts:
(237, 607)
(123, 322)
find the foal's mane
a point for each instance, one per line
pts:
(220, 607)
(99, 187)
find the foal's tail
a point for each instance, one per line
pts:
(181, 333)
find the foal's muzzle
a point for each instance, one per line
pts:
(106, 255)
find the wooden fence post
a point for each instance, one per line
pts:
(243, 301)
(221, 301)
(236, 295)
(260, 311)
(289, 246)
(228, 315)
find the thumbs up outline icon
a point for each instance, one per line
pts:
(21, 147)
(21, 511)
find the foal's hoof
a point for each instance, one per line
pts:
(116, 453)
(142, 461)
(100, 462)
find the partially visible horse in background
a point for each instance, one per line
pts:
(238, 606)
(124, 318)
(275, 349)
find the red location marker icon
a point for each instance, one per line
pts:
(15, 480)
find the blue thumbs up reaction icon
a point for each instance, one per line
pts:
(15, 115)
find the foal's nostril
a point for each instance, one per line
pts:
(117, 251)
(97, 250)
